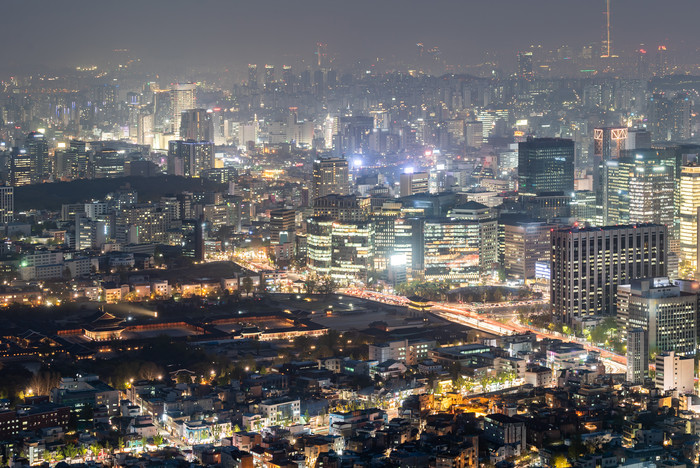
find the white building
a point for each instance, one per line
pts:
(675, 372)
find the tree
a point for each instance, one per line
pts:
(560, 461)
(150, 371)
(43, 382)
(247, 284)
(310, 283)
(328, 285)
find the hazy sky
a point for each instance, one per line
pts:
(72, 32)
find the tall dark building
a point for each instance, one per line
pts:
(588, 264)
(545, 165)
(38, 149)
(196, 125)
(190, 158)
(282, 224)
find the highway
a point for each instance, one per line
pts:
(466, 314)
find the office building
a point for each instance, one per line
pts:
(38, 149)
(608, 142)
(252, 76)
(196, 125)
(190, 158)
(412, 183)
(7, 204)
(282, 225)
(330, 176)
(342, 249)
(588, 264)
(450, 250)
(482, 217)
(688, 206)
(182, 98)
(662, 310)
(22, 168)
(474, 133)
(525, 243)
(675, 373)
(640, 188)
(545, 165)
(637, 355)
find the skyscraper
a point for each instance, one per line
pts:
(689, 205)
(7, 204)
(38, 149)
(587, 265)
(667, 315)
(330, 176)
(411, 183)
(282, 224)
(189, 158)
(640, 188)
(196, 125)
(252, 76)
(545, 165)
(181, 99)
(637, 355)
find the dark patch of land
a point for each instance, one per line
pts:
(52, 196)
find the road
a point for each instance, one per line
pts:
(466, 314)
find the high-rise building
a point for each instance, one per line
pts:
(637, 139)
(342, 249)
(637, 355)
(674, 372)
(588, 264)
(411, 183)
(482, 216)
(38, 149)
(252, 76)
(282, 225)
(662, 310)
(545, 165)
(196, 125)
(269, 75)
(22, 168)
(526, 242)
(474, 133)
(688, 207)
(189, 158)
(181, 99)
(330, 176)
(640, 188)
(7, 204)
(525, 68)
(608, 142)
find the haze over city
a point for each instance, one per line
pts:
(324, 234)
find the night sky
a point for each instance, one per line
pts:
(73, 32)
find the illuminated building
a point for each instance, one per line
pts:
(412, 183)
(662, 310)
(21, 168)
(483, 217)
(608, 143)
(190, 158)
(7, 204)
(343, 250)
(282, 225)
(474, 133)
(674, 372)
(342, 207)
(330, 176)
(526, 242)
(637, 355)
(640, 188)
(587, 265)
(108, 163)
(525, 69)
(583, 206)
(141, 224)
(181, 99)
(352, 251)
(319, 245)
(689, 205)
(545, 165)
(451, 249)
(38, 149)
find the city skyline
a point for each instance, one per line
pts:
(220, 34)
